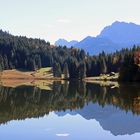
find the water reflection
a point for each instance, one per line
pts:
(117, 110)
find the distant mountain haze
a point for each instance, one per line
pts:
(95, 45)
(63, 42)
(113, 37)
(122, 33)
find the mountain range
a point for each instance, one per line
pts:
(63, 42)
(114, 37)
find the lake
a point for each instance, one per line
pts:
(71, 111)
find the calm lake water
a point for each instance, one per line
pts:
(70, 111)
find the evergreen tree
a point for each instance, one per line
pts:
(57, 69)
(1, 63)
(82, 70)
(66, 71)
(103, 66)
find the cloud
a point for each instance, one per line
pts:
(63, 20)
(63, 135)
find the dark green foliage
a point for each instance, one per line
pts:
(66, 71)
(73, 68)
(82, 70)
(103, 67)
(56, 69)
(1, 63)
(129, 72)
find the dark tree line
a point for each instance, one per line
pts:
(18, 52)
(130, 69)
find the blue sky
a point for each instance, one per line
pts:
(70, 19)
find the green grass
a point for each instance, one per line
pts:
(42, 70)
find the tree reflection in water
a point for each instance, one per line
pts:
(28, 101)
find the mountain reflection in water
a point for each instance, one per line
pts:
(117, 110)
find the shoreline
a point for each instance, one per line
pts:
(44, 76)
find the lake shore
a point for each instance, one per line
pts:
(44, 77)
(104, 77)
(104, 80)
(41, 74)
(46, 73)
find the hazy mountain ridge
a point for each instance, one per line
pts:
(122, 33)
(102, 44)
(114, 37)
(63, 42)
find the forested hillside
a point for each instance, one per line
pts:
(24, 53)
